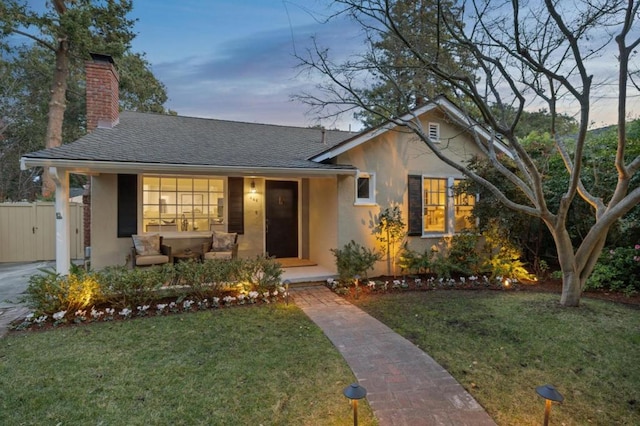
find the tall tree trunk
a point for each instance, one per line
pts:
(57, 106)
(571, 288)
(571, 285)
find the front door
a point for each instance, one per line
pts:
(281, 217)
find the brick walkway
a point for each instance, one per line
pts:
(405, 386)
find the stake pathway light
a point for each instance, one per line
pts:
(355, 392)
(549, 393)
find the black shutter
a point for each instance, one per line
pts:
(414, 186)
(127, 205)
(236, 205)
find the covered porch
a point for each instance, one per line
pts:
(280, 215)
(304, 271)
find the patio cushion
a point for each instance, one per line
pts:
(223, 241)
(153, 259)
(147, 245)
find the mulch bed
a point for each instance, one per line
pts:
(546, 286)
(19, 326)
(555, 286)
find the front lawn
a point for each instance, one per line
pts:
(501, 345)
(254, 365)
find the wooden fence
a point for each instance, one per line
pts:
(28, 231)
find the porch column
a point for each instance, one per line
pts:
(63, 245)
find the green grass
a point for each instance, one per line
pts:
(266, 365)
(501, 346)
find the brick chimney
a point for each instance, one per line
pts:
(102, 92)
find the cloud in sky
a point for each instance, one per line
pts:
(250, 76)
(235, 60)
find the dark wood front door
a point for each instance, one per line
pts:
(281, 218)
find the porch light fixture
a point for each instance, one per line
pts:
(549, 393)
(355, 392)
(253, 186)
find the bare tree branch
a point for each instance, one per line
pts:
(533, 53)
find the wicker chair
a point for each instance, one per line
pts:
(223, 245)
(145, 252)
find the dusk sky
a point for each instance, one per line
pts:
(234, 59)
(231, 59)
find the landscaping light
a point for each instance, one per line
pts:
(355, 392)
(549, 393)
(286, 290)
(356, 279)
(506, 283)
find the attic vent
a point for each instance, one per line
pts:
(434, 132)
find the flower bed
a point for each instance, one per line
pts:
(356, 286)
(119, 294)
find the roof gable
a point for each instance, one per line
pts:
(438, 103)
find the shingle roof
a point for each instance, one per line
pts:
(164, 139)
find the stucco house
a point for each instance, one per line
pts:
(288, 192)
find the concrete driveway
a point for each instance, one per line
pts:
(14, 278)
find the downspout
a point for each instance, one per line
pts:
(63, 247)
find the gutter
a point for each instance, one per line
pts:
(95, 167)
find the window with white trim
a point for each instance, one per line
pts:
(463, 204)
(435, 205)
(434, 132)
(182, 204)
(365, 188)
(438, 208)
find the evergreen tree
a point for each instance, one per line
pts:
(400, 82)
(70, 30)
(43, 54)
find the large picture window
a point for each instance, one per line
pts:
(445, 211)
(182, 204)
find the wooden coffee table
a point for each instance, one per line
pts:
(186, 255)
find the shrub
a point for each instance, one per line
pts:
(134, 290)
(463, 257)
(197, 277)
(500, 257)
(222, 271)
(469, 254)
(139, 286)
(260, 273)
(354, 259)
(617, 270)
(457, 256)
(413, 262)
(50, 292)
(43, 292)
(441, 265)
